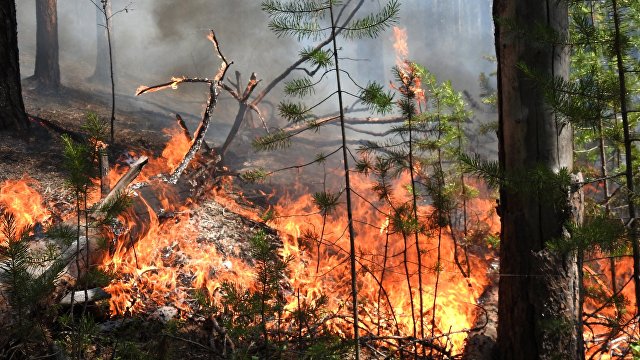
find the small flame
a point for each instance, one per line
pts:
(171, 85)
(21, 199)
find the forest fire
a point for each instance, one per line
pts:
(170, 263)
(400, 45)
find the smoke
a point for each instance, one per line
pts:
(157, 39)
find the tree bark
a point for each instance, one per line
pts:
(538, 308)
(12, 114)
(47, 69)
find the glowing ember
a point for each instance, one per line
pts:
(19, 197)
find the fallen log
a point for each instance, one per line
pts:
(78, 296)
(82, 248)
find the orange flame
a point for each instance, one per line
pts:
(400, 45)
(170, 261)
(20, 198)
(407, 70)
(385, 308)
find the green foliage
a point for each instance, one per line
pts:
(493, 241)
(254, 176)
(326, 201)
(25, 286)
(273, 141)
(321, 58)
(128, 350)
(310, 19)
(299, 87)
(635, 350)
(254, 319)
(249, 313)
(538, 181)
(78, 164)
(598, 233)
(294, 112)
(81, 163)
(111, 209)
(373, 24)
(374, 97)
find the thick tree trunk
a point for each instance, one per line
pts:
(538, 308)
(12, 114)
(101, 72)
(47, 70)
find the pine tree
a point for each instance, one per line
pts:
(540, 286)
(332, 20)
(81, 161)
(430, 136)
(598, 100)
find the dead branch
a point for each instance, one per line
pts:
(198, 139)
(105, 184)
(215, 85)
(187, 134)
(242, 110)
(124, 181)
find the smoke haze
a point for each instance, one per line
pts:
(157, 39)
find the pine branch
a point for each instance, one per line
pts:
(373, 24)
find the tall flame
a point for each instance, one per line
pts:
(383, 291)
(400, 45)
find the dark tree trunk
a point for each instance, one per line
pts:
(538, 311)
(101, 73)
(47, 71)
(12, 114)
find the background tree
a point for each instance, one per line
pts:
(47, 68)
(101, 71)
(12, 114)
(538, 301)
